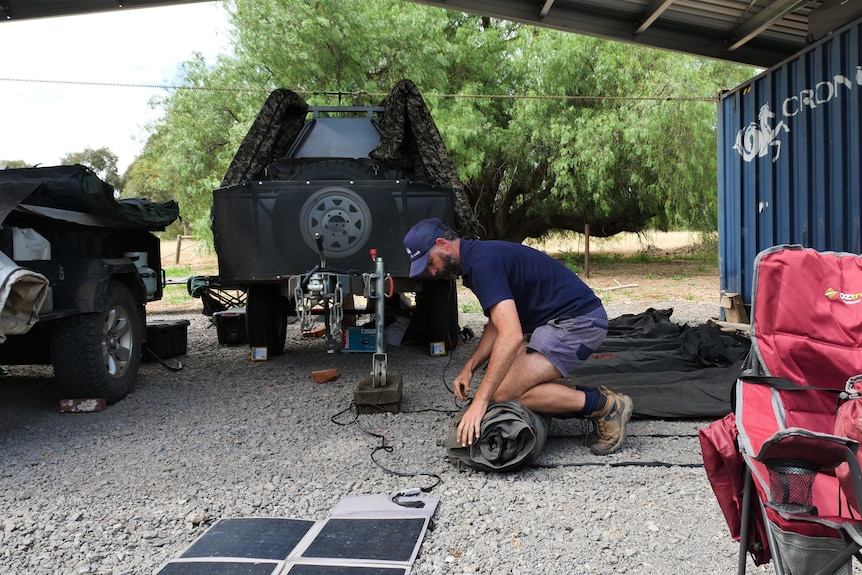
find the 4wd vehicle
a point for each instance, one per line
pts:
(315, 195)
(87, 265)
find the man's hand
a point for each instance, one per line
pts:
(461, 384)
(471, 423)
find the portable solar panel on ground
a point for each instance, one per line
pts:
(364, 535)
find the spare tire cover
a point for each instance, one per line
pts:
(343, 217)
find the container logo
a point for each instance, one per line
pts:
(762, 137)
(848, 298)
(756, 140)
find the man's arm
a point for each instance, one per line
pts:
(480, 355)
(504, 347)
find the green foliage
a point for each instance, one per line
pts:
(470, 307)
(102, 161)
(179, 271)
(618, 149)
(550, 130)
(11, 164)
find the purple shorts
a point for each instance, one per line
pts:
(569, 342)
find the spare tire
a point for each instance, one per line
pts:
(343, 215)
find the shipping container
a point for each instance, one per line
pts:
(789, 158)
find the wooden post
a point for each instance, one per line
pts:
(586, 250)
(179, 246)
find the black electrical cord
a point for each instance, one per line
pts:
(468, 334)
(384, 446)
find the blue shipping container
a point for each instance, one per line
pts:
(789, 158)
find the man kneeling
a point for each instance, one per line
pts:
(543, 322)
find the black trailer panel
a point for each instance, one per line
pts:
(265, 231)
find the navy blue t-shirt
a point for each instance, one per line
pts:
(541, 287)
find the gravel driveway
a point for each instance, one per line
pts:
(127, 489)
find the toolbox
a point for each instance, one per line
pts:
(230, 325)
(166, 338)
(355, 339)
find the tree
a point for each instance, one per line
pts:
(102, 161)
(10, 164)
(550, 130)
(605, 136)
(188, 151)
(144, 179)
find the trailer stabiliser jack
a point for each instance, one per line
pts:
(381, 390)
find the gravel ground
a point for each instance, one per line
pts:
(127, 489)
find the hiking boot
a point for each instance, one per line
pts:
(611, 422)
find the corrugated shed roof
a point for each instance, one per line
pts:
(756, 32)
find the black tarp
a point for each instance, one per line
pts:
(78, 189)
(669, 370)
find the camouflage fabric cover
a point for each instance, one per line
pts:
(409, 139)
(269, 138)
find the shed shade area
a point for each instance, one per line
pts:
(789, 156)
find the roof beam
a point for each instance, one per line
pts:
(761, 21)
(652, 13)
(578, 19)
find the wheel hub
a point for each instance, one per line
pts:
(340, 216)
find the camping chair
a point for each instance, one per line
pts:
(806, 332)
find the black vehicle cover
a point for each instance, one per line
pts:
(76, 188)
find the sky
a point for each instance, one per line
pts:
(55, 112)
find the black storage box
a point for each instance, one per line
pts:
(230, 325)
(166, 338)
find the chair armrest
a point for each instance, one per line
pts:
(824, 450)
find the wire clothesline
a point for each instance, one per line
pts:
(371, 94)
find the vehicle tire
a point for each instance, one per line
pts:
(437, 307)
(265, 318)
(97, 354)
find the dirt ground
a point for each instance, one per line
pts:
(673, 280)
(613, 272)
(669, 275)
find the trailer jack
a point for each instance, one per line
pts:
(381, 390)
(324, 289)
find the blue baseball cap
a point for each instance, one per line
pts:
(419, 240)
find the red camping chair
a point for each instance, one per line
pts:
(806, 332)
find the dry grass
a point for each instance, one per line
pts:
(651, 267)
